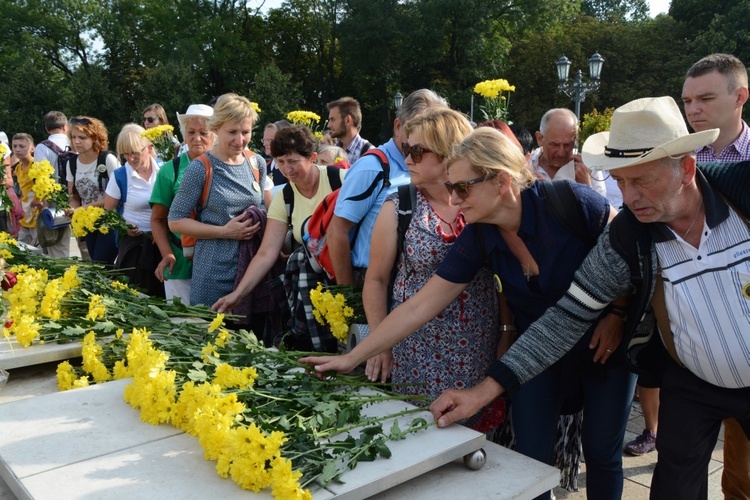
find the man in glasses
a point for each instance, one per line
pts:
(344, 123)
(363, 193)
(556, 158)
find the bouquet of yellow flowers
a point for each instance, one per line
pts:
(91, 219)
(496, 95)
(339, 306)
(162, 137)
(307, 118)
(45, 188)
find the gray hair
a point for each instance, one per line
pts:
(417, 102)
(555, 113)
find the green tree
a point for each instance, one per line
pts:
(616, 10)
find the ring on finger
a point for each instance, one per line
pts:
(609, 350)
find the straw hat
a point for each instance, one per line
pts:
(641, 131)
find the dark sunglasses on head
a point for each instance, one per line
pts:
(416, 151)
(462, 188)
(80, 121)
(149, 119)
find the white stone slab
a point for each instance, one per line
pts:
(14, 355)
(506, 474)
(88, 443)
(43, 433)
(417, 454)
(169, 468)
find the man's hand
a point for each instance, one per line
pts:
(607, 337)
(457, 405)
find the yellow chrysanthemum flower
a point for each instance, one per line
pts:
(300, 117)
(217, 322)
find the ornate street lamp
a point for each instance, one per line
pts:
(398, 100)
(577, 89)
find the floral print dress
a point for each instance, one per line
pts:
(454, 350)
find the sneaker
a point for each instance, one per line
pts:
(645, 443)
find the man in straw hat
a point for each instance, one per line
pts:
(681, 241)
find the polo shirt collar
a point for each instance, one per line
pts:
(717, 210)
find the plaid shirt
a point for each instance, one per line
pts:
(739, 150)
(306, 332)
(354, 151)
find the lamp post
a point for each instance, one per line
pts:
(398, 100)
(577, 89)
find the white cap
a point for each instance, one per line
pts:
(4, 138)
(195, 110)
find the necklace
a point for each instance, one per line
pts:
(695, 218)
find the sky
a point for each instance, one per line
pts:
(657, 6)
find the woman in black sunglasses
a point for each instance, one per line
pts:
(513, 230)
(456, 348)
(153, 116)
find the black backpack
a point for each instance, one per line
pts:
(63, 157)
(101, 169)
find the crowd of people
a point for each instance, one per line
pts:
(508, 299)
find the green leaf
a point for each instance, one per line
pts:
(329, 473)
(383, 450)
(158, 312)
(197, 375)
(395, 433)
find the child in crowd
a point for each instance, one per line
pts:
(23, 150)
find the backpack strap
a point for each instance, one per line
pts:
(203, 200)
(252, 159)
(101, 169)
(176, 166)
(288, 193)
(380, 155)
(407, 202)
(334, 177)
(566, 207)
(121, 178)
(658, 302)
(73, 163)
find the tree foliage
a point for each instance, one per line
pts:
(112, 57)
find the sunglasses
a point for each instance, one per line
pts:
(80, 121)
(462, 188)
(149, 119)
(416, 151)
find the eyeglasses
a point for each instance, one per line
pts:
(80, 121)
(462, 188)
(416, 151)
(130, 155)
(149, 119)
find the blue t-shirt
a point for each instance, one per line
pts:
(557, 252)
(353, 207)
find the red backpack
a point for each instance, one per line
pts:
(315, 227)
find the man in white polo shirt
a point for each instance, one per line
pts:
(679, 243)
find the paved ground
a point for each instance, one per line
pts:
(638, 470)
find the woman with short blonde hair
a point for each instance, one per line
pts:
(238, 184)
(129, 191)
